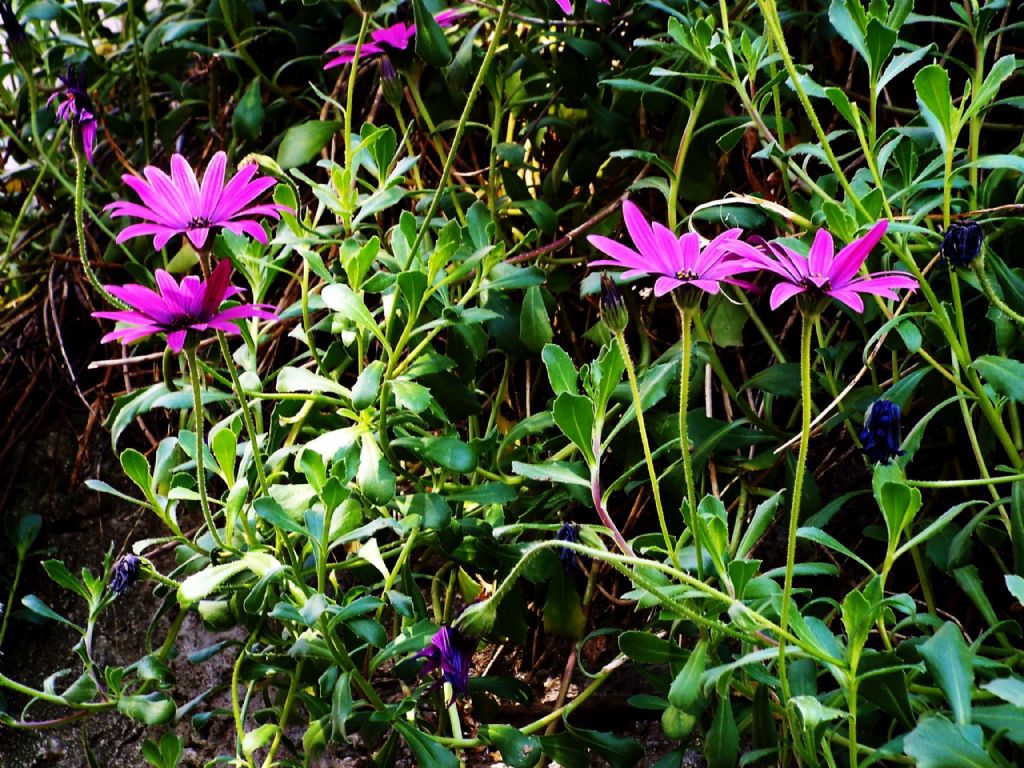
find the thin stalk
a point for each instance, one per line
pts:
(684, 148)
(806, 330)
(286, 710)
(204, 502)
(648, 457)
(350, 95)
(83, 251)
(686, 315)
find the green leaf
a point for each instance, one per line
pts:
(534, 323)
(247, 121)
(563, 611)
(1009, 689)
(561, 371)
(818, 536)
(517, 749)
(574, 415)
(618, 751)
(899, 504)
(136, 466)
(932, 86)
(880, 40)
(450, 453)
(722, 747)
(302, 142)
(199, 585)
(987, 91)
(431, 44)
(343, 300)
(841, 18)
(40, 608)
(428, 753)
(152, 709)
(1015, 584)
(645, 648)
(257, 738)
(938, 743)
(1005, 718)
(59, 572)
(951, 664)
(550, 472)
(686, 687)
(1005, 376)
(364, 391)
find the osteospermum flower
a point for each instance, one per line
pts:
(566, 5)
(826, 273)
(450, 652)
(393, 38)
(881, 434)
(76, 108)
(676, 261)
(177, 204)
(178, 310)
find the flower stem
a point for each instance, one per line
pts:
(686, 315)
(798, 486)
(204, 502)
(83, 252)
(648, 457)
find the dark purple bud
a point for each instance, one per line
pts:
(17, 38)
(881, 433)
(962, 242)
(76, 108)
(613, 308)
(392, 86)
(569, 532)
(126, 572)
(450, 652)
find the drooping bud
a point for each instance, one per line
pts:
(881, 433)
(126, 572)
(17, 38)
(77, 109)
(613, 309)
(962, 242)
(390, 83)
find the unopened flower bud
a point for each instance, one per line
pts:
(390, 82)
(17, 38)
(126, 571)
(962, 242)
(613, 308)
(881, 433)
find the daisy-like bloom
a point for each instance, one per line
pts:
(881, 433)
(180, 310)
(76, 108)
(827, 273)
(450, 652)
(177, 204)
(566, 5)
(393, 38)
(676, 261)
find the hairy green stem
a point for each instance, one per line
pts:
(686, 353)
(197, 399)
(806, 330)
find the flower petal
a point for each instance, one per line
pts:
(850, 258)
(213, 185)
(783, 292)
(822, 253)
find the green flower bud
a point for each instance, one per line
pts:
(478, 619)
(613, 309)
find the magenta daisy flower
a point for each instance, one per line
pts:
(825, 272)
(566, 5)
(76, 108)
(177, 310)
(393, 38)
(177, 204)
(676, 261)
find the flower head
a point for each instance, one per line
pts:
(962, 242)
(76, 108)
(177, 204)
(450, 652)
(881, 433)
(393, 38)
(566, 5)
(826, 273)
(676, 261)
(126, 571)
(193, 306)
(389, 82)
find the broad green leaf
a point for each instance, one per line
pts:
(932, 86)
(561, 371)
(258, 738)
(364, 391)
(136, 466)
(247, 121)
(1006, 376)
(574, 415)
(938, 743)
(517, 749)
(428, 753)
(722, 747)
(343, 300)
(302, 142)
(951, 664)
(152, 709)
(551, 472)
(534, 324)
(686, 686)
(450, 453)
(1009, 689)
(989, 87)
(199, 585)
(431, 44)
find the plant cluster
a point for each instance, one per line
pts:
(467, 392)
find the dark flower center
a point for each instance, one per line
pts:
(809, 285)
(686, 274)
(199, 222)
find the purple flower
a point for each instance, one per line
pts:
(126, 571)
(76, 108)
(826, 273)
(178, 310)
(881, 433)
(177, 204)
(393, 38)
(450, 652)
(676, 261)
(566, 5)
